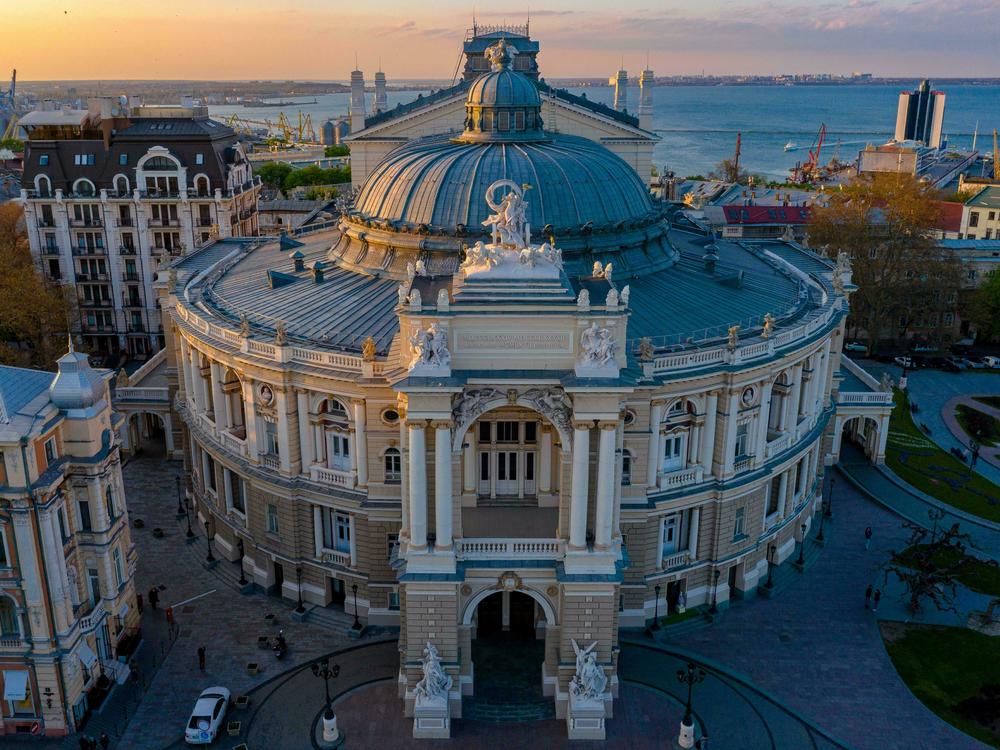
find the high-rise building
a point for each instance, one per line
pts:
(621, 91)
(646, 82)
(381, 104)
(920, 115)
(68, 615)
(357, 101)
(111, 190)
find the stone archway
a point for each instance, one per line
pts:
(147, 432)
(866, 432)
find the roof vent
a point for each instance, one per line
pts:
(299, 259)
(711, 256)
(318, 269)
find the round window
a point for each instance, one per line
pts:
(390, 416)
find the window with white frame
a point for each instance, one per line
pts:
(272, 518)
(393, 466)
(673, 451)
(109, 500)
(394, 598)
(271, 438)
(336, 530)
(626, 468)
(339, 448)
(738, 523)
(742, 439)
(119, 568)
(237, 491)
(671, 531)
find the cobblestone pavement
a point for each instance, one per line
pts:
(215, 616)
(818, 649)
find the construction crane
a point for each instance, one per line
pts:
(302, 133)
(809, 170)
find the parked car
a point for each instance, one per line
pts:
(856, 346)
(976, 363)
(207, 717)
(993, 362)
(958, 362)
(906, 362)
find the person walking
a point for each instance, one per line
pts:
(868, 596)
(84, 742)
(201, 658)
(868, 537)
(154, 597)
(877, 596)
(105, 741)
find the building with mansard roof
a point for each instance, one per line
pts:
(511, 404)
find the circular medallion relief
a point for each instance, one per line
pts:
(266, 395)
(749, 394)
(466, 590)
(552, 590)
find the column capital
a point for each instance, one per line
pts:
(583, 424)
(442, 424)
(658, 402)
(357, 402)
(412, 424)
(607, 425)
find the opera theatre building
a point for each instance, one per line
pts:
(506, 397)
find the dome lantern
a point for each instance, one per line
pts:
(503, 105)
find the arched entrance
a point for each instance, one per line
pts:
(508, 650)
(864, 432)
(146, 434)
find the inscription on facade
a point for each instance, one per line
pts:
(514, 341)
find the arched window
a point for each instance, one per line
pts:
(676, 436)
(626, 468)
(8, 618)
(393, 466)
(83, 186)
(44, 185)
(159, 164)
(201, 186)
(121, 185)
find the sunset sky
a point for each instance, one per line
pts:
(317, 39)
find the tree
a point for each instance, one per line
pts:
(274, 173)
(35, 314)
(13, 144)
(885, 224)
(930, 570)
(331, 151)
(985, 307)
(314, 175)
(728, 171)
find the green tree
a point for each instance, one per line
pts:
(14, 144)
(985, 308)
(313, 175)
(885, 225)
(35, 314)
(274, 173)
(728, 171)
(331, 151)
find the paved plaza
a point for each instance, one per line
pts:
(812, 657)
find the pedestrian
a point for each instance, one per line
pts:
(154, 597)
(878, 595)
(868, 537)
(105, 741)
(170, 617)
(868, 595)
(201, 658)
(138, 602)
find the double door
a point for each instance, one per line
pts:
(507, 472)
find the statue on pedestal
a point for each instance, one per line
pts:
(435, 683)
(589, 682)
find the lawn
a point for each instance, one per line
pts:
(976, 575)
(953, 671)
(917, 460)
(979, 425)
(993, 401)
(677, 617)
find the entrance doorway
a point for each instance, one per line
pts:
(337, 593)
(508, 661)
(279, 578)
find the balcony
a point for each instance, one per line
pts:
(135, 327)
(682, 478)
(335, 477)
(94, 222)
(132, 302)
(677, 560)
(233, 443)
(98, 303)
(160, 223)
(160, 194)
(82, 276)
(201, 221)
(335, 557)
(50, 250)
(46, 222)
(94, 619)
(12, 643)
(124, 221)
(89, 250)
(98, 327)
(130, 276)
(270, 461)
(509, 549)
(124, 250)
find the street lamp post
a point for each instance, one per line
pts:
(298, 577)
(714, 609)
(208, 538)
(935, 515)
(656, 609)
(357, 622)
(326, 671)
(190, 531)
(180, 504)
(829, 502)
(243, 578)
(770, 566)
(802, 548)
(822, 518)
(690, 676)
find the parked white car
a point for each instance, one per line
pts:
(906, 362)
(856, 346)
(207, 717)
(993, 362)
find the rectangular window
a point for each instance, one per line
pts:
(742, 438)
(272, 518)
(84, 507)
(63, 526)
(738, 523)
(236, 488)
(993, 215)
(210, 463)
(336, 531)
(50, 450)
(974, 219)
(484, 467)
(393, 469)
(271, 438)
(989, 234)
(484, 432)
(110, 501)
(507, 432)
(4, 560)
(774, 497)
(119, 570)
(199, 159)
(43, 160)
(530, 432)
(123, 159)
(394, 599)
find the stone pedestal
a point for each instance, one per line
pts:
(327, 735)
(686, 737)
(431, 718)
(585, 718)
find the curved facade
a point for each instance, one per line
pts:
(536, 448)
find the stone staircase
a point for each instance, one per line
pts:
(503, 713)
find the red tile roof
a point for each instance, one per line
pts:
(739, 214)
(950, 216)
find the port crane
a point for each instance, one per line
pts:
(808, 171)
(301, 133)
(7, 108)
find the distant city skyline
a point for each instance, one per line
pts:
(309, 39)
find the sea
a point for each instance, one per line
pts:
(698, 124)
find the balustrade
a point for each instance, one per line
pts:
(509, 549)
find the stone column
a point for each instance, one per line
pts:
(361, 442)
(545, 461)
(417, 470)
(227, 487)
(284, 430)
(693, 533)
(782, 494)
(732, 418)
(186, 369)
(762, 419)
(659, 542)
(604, 517)
(250, 415)
(353, 540)
(653, 461)
(219, 403)
(578, 494)
(822, 379)
(708, 433)
(792, 410)
(404, 481)
(200, 386)
(55, 563)
(469, 474)
(442, 485)
(318, 530)
(305, 430)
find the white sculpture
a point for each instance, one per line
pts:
(435, 683)
(411, 271)
(420, 269)
(442, 300)
(509, 222)
(473, 403)
(583, 301)
(589, 682)
(401, 293)
(625, 293)
(480, 255)
(843, 262)
(598, 346)
(430, 348)
(598, 270)
(415, 301)
(553, 403)
(612, 299)
(768, 326)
